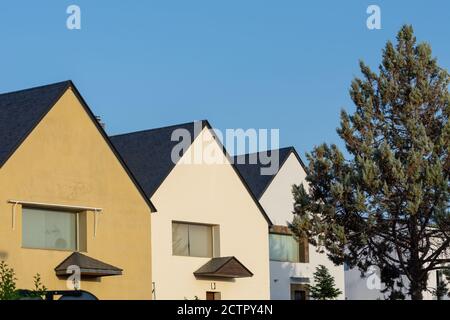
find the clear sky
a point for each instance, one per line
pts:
(283, 64)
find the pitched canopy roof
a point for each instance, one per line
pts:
(223, 267)
(88, 266)
(21, 111)
(251, 172)
(148, 155)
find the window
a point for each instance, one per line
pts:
(195, 240)
(49, 229)
(210, 295)
(286, 248)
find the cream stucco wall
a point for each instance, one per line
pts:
(277, 200)
(210, 194)
(65, 160)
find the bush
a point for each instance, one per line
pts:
(8, 289)
(7, 283)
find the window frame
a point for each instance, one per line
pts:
(302, 248)
(56, 210)
(215, 239)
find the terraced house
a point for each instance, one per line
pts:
(209, 237)
(70, 196)
(67, 198)
(292, 261)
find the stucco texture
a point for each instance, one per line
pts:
(209, 194)
(65, 160)
(278, 200)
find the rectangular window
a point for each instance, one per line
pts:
(286, 248)
(49, 229)
(213, 295)
(195, 240)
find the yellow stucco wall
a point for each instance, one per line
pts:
(209, 194)
(65, 160)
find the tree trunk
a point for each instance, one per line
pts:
(416, 290)
(417, 285)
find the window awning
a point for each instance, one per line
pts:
(89, 267)
(223, 267)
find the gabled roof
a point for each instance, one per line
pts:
(251, 171)
(223, 267)
(148, 155)
(21, 111)
(88, 266)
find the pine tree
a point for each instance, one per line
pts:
(387, 203)
(324, 287)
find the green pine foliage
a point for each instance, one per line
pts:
(387, 202)
(324, 287)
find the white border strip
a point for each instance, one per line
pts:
(54, 205)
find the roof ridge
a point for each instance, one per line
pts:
(155, 129)
(269, 150)
(68, 82)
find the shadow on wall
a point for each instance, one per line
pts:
(213, 279)
(83, 279)
(284, 274)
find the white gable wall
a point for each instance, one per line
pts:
(209, 194)
(277, 201)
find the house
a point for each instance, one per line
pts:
(292, 262)
(209, 237)
(70, 208)
(368, 286)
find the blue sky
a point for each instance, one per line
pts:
(282, 64)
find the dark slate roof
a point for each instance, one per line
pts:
(148, 153)
(251, 172)
(21, 111)
(223, 267)
(88, 266)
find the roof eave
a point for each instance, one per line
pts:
(19, 143)
(91, 272)
(258, 204)
(111, 146)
